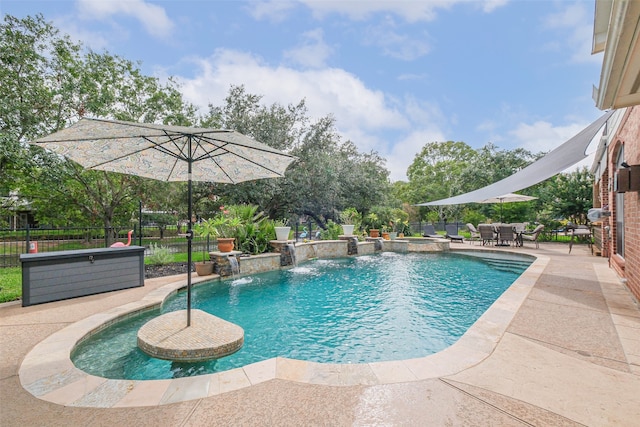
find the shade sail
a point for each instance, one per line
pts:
(566, 155)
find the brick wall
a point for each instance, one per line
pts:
(629, 267)
(606, 221)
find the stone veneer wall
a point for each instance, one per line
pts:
(331, 249)
(259, 263)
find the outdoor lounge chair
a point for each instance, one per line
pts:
(452, 233)
(475, 234)
(533, 236)
(430, 231)
(487, 233)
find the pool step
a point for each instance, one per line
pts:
(503, 262)
(510, 266)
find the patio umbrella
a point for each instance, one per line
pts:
(168, 153)
(510, 197)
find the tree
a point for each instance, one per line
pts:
(278, 126)
(34, 90)
(435, 174)
(569, 195)
(329, 175)
(492, 165)
(47, 84)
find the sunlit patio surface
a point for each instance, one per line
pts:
(560, 347)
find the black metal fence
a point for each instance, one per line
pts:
(14, 242)
(419, 227)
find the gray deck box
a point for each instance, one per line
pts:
(54, 276)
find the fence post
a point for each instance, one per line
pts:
(139, 222)
(27, 238)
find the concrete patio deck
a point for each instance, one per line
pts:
(569, 355)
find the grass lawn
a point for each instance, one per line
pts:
(10, 284)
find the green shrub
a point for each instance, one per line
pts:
(332, 231)
(159, 255)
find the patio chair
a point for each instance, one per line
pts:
(533, 236)
(430, 231)
(475, 234)
(506, 235)
(452, 233)
(487, 233)
(582, 232)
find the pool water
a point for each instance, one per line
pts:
(354, 310)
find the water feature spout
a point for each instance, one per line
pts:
(235, 266)
(292, 253)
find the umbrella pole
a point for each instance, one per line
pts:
(189, 238)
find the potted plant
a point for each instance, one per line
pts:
(350, 217)
(385, 231)
(282, 230)
(400, 222)
(223, 227)
(204, 267)
(400, 227)
(393, 234)
(374, 225)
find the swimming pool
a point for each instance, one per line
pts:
(354, 310)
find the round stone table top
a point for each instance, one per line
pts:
(208, 337)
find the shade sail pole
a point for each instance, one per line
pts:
(189, 235)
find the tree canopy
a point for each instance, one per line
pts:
(48, 82)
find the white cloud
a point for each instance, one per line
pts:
(312, 52)
(489, 6)
(274, 10)
(359, 10)
(576, 31)
(412, 76)
(369, 118)
(411, 11)
(396, 44)
(94, 40)
(152, 17)
(327, 91)
(543, 136)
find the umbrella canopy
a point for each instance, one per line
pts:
(510, 197)
(155, 151)
(168, 153)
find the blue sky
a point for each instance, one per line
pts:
(395, 74)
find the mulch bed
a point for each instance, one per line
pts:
(151, 271)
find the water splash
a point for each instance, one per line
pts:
(303, 270)
(292, 253)
(242, 281)
(235, 266)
